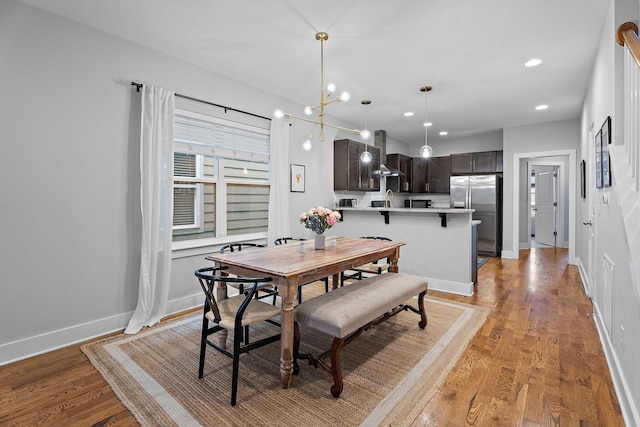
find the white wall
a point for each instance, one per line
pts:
(483, 141)
(69, 164)
(620, 334)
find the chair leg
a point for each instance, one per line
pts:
(236, 365)
(296, 348)
(203, 343)
(299, 294)
(326, 285)
(246, 335)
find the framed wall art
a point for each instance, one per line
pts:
(606, 140)
(583, 179)
(598, 146)
(297, 178)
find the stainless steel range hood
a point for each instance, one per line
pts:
(380, 141)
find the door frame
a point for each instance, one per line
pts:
(559, 212)
(517, 157)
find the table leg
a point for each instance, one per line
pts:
(287, 293)
(393, 268)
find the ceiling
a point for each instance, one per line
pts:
(471, 51)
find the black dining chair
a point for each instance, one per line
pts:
(233, 314)
(370, 268)
(268, 290)
(284, 241)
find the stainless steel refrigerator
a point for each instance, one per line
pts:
(484, 194)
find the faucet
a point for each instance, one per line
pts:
(388, 204)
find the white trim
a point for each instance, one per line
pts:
(54, 340)
(459, 288)
(515, 242)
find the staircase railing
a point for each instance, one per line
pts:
(627, 35)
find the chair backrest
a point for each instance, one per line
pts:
(233, 247)
(209, 276)
(285, 240)
(378, 238)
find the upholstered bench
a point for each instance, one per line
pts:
(346, 312)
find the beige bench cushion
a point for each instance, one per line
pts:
(344, 310)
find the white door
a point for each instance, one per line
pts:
(546, 179)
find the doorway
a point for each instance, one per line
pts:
(518, 231)
(544, 205)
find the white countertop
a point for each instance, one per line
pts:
(408, 210)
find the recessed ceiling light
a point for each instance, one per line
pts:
(408, 114)
(542, 107)
(443, 133)
(533, 62)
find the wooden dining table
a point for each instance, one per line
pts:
(290, 267)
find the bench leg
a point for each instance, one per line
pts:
(423, 314)
(336, 388)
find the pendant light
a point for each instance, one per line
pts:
(325, 100)
(425, 150)
(366, 156)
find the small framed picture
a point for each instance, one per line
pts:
(297, 178)
(583, 178)
(598, 147)
(606, 140)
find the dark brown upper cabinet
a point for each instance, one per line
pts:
(401, 183)
(431, 175)
(349, 172)
(480, 162)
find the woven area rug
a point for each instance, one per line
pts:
(390, 372)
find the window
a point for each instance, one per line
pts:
(221, 178)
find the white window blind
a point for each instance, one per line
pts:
(200, 134)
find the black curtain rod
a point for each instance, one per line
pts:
(225, 108)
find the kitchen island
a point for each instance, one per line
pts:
(439, 241)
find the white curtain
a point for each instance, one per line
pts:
(156, 203)
(279, 224)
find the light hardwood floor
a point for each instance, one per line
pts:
(537, 361)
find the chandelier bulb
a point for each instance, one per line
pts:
(307, 144)
(365, 134)
(331, 88)
(308, 110)
(344, 96)
(366, 157)
(278, 114)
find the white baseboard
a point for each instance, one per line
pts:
(583, 275)
(630, 413)
(43, 343)
(458, 288)
(510, 255)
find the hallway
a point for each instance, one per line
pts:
(537, 360)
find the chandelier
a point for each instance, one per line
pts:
(425, 150)
(325, 100)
